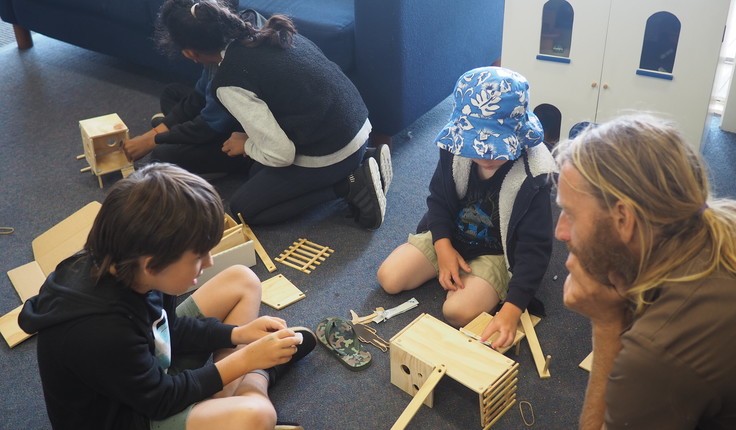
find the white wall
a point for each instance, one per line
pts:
(728, 52)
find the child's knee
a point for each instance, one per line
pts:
(255, 414)
(458, 314)
(242, 277)
(389, 280)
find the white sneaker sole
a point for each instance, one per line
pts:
(377, 187)
(385, 167)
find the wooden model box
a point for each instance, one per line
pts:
(102, 139)
(428, 342)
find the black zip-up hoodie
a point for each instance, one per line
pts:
(527, 232)
(96, 351)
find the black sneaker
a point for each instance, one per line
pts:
(366, 195)
(309, 341)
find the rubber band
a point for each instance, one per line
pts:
(531, 411)
(702, 208)
(6, 230)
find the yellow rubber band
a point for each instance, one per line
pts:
(531, 412)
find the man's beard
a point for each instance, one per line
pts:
(605, 257)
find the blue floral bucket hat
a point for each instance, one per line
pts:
(490, 117)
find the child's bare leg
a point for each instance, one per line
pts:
(233, 296)
(404, 269)
(464, 304)
(248, 408)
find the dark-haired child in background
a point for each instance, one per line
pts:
(303, 125)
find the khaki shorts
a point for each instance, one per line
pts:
(491, 268)
(187, 308)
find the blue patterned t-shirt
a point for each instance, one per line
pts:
(477, 224)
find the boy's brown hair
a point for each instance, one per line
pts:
(161, 211)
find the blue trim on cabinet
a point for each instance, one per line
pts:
(553, 58)
(654, 74)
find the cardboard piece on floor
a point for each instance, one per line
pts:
(27, 280)
(587, 362)
(49, 249)
(240, 254)
(475, 329)
(53, 246)
(10, 329)
(278, 292)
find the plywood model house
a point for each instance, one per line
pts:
(102, 139)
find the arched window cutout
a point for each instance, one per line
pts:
(659, 48)
(551, 119)
(556, 36)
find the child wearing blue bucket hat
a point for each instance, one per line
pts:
(487, 234)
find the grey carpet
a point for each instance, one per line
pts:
(49, 88)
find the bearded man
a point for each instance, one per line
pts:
(653, 266)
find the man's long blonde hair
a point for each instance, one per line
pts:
(644, 162)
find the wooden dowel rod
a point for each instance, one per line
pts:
(419, 397)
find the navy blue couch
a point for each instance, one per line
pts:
(403, 55)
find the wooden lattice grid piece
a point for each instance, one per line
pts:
(304, 255)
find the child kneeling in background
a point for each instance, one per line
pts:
(114, 350)
(489, 210)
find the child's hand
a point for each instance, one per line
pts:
(268, 351)
(450, 262)
(139, 146)
(235, 145)
(256, 329)
(504, 323)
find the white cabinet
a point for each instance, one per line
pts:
(595, 71)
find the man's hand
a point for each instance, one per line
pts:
(137, 147)
(235, 144)
(450, 262)
(606, 307)
(504, 323)
(602, 304)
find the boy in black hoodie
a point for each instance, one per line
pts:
(114, 350)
